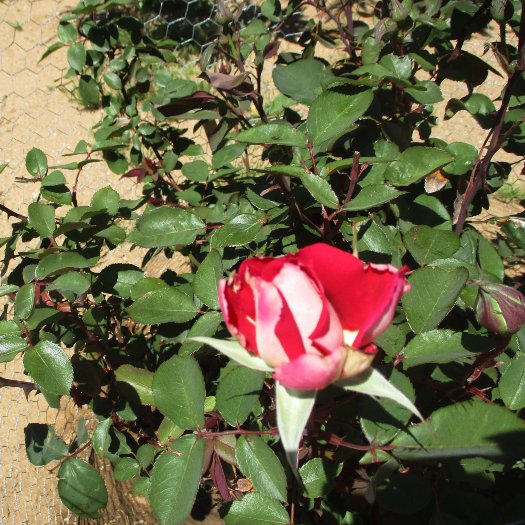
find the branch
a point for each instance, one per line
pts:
(479, 172)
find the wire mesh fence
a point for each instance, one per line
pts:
(34, 112)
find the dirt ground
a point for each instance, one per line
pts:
(33, 112)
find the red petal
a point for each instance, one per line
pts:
(364, 297)
(238, 308)
(278, 337)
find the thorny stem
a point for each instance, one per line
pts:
(479, 171)
(355, 174)
(11, 213)
(72, 455)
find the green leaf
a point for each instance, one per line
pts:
(113, 80)
(140, 379)
(50, 367)
(66, 32)
(51, 49)
(280, 133)
(256, 509)
(10, 346)
(372, 383)
(126, 468)
(241, 230)
(205, 325)
(205, 283)
(179, 393)
(89, 91)
(42, 445)
(41, 218)
(465, 156)
(372, 196)
(101, 437)
(57, 262)
(442, 346)
(414, 163)
(293, 411)
(381, 419)
(235, 352)
(512, 383)
(223, 156)
(320, 189)
(164, 305)
(259, 463)
(106, 199)
(237, 392)
(119, 279)
(9, 327)
(25, 301)
(318, 476)
(71, 284)
(300, 80)
(81, 488)
(434, 292)
(166, 226)
(333, 113)
(428, 244)
(113, 234)
(36, 162)
(489, 259)
(6, 289)
(462, 430)
(425, 92)
(76, 56)
(175, 480)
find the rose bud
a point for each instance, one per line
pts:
(500, 308)
(312, 315)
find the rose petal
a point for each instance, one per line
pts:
(278, 338)
(238, 307)
(364, 297)
(316, 320)
(310, 371)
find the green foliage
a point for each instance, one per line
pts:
(342, 151)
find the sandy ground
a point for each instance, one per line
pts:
(33, 112)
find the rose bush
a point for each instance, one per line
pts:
(311, 315)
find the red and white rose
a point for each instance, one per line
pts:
(312, 315)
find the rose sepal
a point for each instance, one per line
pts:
(373, 383)
(233, 350)
(293, 411)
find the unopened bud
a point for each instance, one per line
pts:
(499, 308)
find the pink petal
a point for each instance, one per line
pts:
(315, 320)
(311, 372)
(278, 338)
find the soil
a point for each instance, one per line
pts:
(34, 112)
